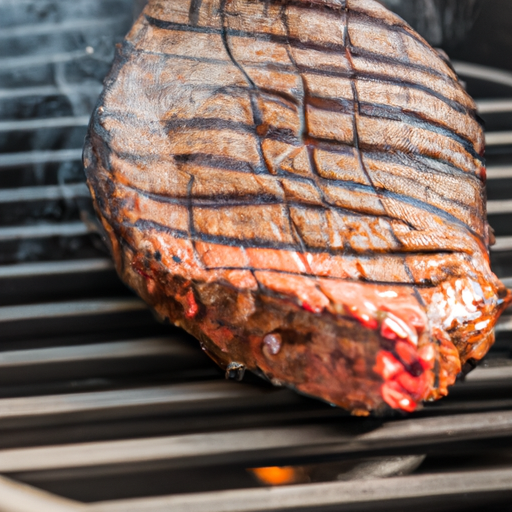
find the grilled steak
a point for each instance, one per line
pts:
(300, 185)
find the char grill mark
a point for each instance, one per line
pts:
(292, 170)
(219, 202)
(272, 194)
(195, 7)
(324, 72)
(386, 111)
(447, 74)
(372, 111)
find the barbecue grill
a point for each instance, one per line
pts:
(104, 409)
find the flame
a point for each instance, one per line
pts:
(276, 475)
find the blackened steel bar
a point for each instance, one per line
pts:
(374, 493)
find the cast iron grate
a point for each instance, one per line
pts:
(102, 409)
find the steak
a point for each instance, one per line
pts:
(301, 186)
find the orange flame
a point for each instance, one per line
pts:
(276, 475)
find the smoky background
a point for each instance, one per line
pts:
(478, 31)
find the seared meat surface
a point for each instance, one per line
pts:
(300, 185)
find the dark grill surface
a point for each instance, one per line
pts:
(104, 409)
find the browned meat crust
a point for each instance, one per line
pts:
(300, 185)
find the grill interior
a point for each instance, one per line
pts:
(104, 409)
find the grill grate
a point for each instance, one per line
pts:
(102, 409)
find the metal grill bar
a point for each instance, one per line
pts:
(373, 493)
(499, 207)
(17, 497)
(505, 325)
(39, 157)
(494, 106)
(256, 446)
(44, 231)
(101, 360)
(41, 60)
(55, 28)
(507, 281)
(499, 172)
(484, 73)
(54, 280)
(501, 373)
(47, 193)
(50, 90)
(39, 124)
(200, 397)
(498, 138)
(67, 309)
(98, 352)
(54, 268)
(503, 244)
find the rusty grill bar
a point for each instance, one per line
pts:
(103, 409)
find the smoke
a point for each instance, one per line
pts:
(441, 22)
